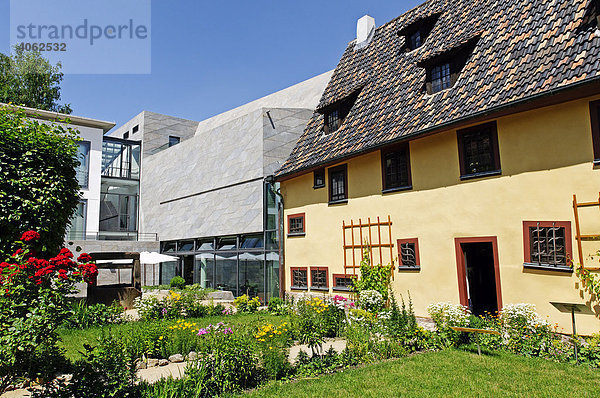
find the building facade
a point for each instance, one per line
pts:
(205, 188)
(450, 145)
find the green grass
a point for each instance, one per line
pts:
(449, 373)
(72, 340)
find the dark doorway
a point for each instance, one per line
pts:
(479, 282)
(188, 269)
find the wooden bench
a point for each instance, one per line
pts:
(473, 330)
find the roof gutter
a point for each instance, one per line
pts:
(445, 126)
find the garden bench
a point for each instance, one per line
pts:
(474, 330)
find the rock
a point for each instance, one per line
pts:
(176, 358)
(152, 362)
(192, 356)
(163, 362)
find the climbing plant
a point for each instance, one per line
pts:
(373, 277)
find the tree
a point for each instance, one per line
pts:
(38, 184)
(28, 79)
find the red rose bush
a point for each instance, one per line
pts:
(34, 301)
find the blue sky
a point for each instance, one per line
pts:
(208, 57)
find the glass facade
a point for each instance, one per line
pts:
(119, 194)
(77, 231)
(244, 263)
(120, 158)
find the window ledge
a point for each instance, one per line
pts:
(481, 175)
(318, 186)
(403, 268)
(398, 189)
(596, 163)
(342, 289)
(298, 287)
(546, 267)
(296, 234)
(322, 289)
(338, 202)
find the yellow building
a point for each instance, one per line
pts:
(452, 140)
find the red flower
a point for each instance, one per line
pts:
(19, 251)
(29, 236)
(65, 252)
(84, 258)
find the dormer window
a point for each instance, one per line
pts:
(443, 70)
(335, 114)
(592, 15)
(440, 77)
(416, 33)
(333, 120)
(414, 40)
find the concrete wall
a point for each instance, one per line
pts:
(206, 167)
(155, 129)
(101, 246)
(546, 157)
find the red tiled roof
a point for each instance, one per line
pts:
(524, 48)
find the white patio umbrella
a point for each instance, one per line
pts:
(155, 258)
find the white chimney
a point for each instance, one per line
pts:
(365, 30)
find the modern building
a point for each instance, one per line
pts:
(86, 222)
(205, 189)
(450, 142)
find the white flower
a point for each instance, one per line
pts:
(448, 314)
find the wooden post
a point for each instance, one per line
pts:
(577, 231)
(352, 231)
(379, 237)
(391, 244)
(370, 243)
(344, 240)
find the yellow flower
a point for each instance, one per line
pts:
(160, 338)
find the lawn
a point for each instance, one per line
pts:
(448, 373)
(72, 340)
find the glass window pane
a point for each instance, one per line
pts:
(83, 155)
(185, 246)
(228, 243)
(168, 247)
(251, 275)
(168, 271)
(226, 272)
(205, 244)
(252, 241)
(205, 270)
(78, 223)
(272, 240)
(272, 275)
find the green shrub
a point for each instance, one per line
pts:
(107, 370)
(177, 283)
(227, 362)
(273, 344)
(246, 305)
(39, 189)
(89, 315)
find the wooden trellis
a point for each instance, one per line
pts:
(369, 235)
(578, 236)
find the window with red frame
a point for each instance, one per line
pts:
(319, 278)
(547, 244)
(299, 278)
(595, 117)
(343, 282)
(408, 254)
(296, 225)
